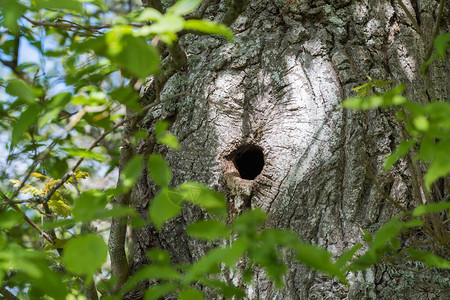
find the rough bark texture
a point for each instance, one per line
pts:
(279, 87)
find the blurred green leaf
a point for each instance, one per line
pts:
(146, 15)
(249, 221)
(442, 44)
(159, 256)
(159, 291)
(228, 290)
(190, 294)
(209, 27)
(160, 272)
(161, 127)
(431, 208)
(11, 11)
(347, 255)
(21, 90)
(77, 152)
(26, 119)
(208, 230)
(391, 97)
(131, 172)
(209, 263)
(440, 167)
(54, 107)
(73, 5)
(131, 53)
(204, 197)
(399, 152)
(85, 255)
(127, 96)
(89, 205)
(184, 7)
(319, 259)
(429, 258)
(166, 205)
(159, 170)
(9, 219)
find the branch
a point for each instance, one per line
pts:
(29, 221)
(7, 294)
(412, 19)
(68, 25)
(435, 31)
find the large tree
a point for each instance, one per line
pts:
(272, 100)
(275, 185)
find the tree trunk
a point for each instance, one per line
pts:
(277, 89)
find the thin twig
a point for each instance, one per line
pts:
(412, 19)
(29, 221)
(435, 31)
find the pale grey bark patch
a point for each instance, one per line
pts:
(279, 87)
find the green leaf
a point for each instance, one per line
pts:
(89, 205)
(60, 4)
(204, 197)
(442, 44)
(77, 152)
(391, 97)
(21, 90)
(347, 255)
(184, 7)
(159, 170)
(208, 230)
(440, 167)
(166, 205)
(54, 107)
(431, 208)
(131, 172)
(168, 24)
(146, 15)
(138, 57)
(249, 221)
(59, 205)
(430, 259)
(131, 53)
(421, 123)
(190, 294)
(319, 259)
(159, 256)
(127, 96)
(161, 127)
(26, 119)
(229, 291)
(9, 219)
(11, 11)
(401, 151)
(209, 263)
(209, 27)
(159, 291)
(85, 255)
(165, 137)
(169, 140)
(160, 272)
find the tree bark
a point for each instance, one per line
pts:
(278, 87)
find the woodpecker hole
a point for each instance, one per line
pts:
(249, 161)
